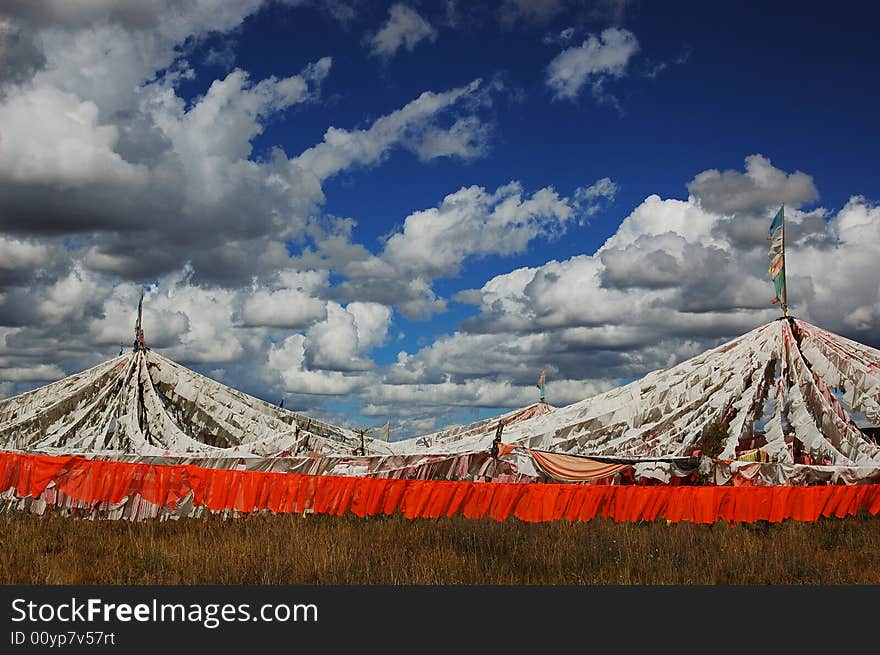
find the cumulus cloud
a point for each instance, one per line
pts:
(232, 112)
(405, 28)
(38, 372)
(103, 51)
(843, 278)
(109, 178)
(21, 260)
(52, 137)
(342, 341)
(480, 370)
(414, 297)
(287, 361)
(285, 308)
(761, 187)
(594, 62)
(472, 222)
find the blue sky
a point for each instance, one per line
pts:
(405, 210)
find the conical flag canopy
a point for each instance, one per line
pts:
(145, 404)
(788, 391)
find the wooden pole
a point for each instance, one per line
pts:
(362, 432)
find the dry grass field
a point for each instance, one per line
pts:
(296, 550)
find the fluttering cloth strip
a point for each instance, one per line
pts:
(99, 488)
(574, 469)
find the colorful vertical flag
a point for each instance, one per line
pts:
(777, 258)
(541, 379)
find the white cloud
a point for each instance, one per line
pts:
(467, 138)
(420, 301)
(36, 373)
(342, 340)
(286, 308)
(211, 336)
(103, 51)
(405, 28)
(761, 187)
(473, 222)
(844, 277)
(231, 113)
(472, 393)
(593, 62)
(221, 57)
(409, 126)
(674, 280)
(70, 298)
(287, 362)
(53, 137)
(590, 199)
(371, 321)
(17, 254)
(426, 399)
(603, 188)
(656, 216)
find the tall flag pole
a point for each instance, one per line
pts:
(140, 311)
(138, 328)
(541, 380)
(777, 259)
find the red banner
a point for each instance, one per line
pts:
(88, 483)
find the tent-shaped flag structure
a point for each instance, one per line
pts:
(787, 408)
(144, 404)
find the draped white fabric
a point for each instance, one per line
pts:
(791, 385)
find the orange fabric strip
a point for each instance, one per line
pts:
(92, 482)
(574, 469)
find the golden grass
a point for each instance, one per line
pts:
(290, 549)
